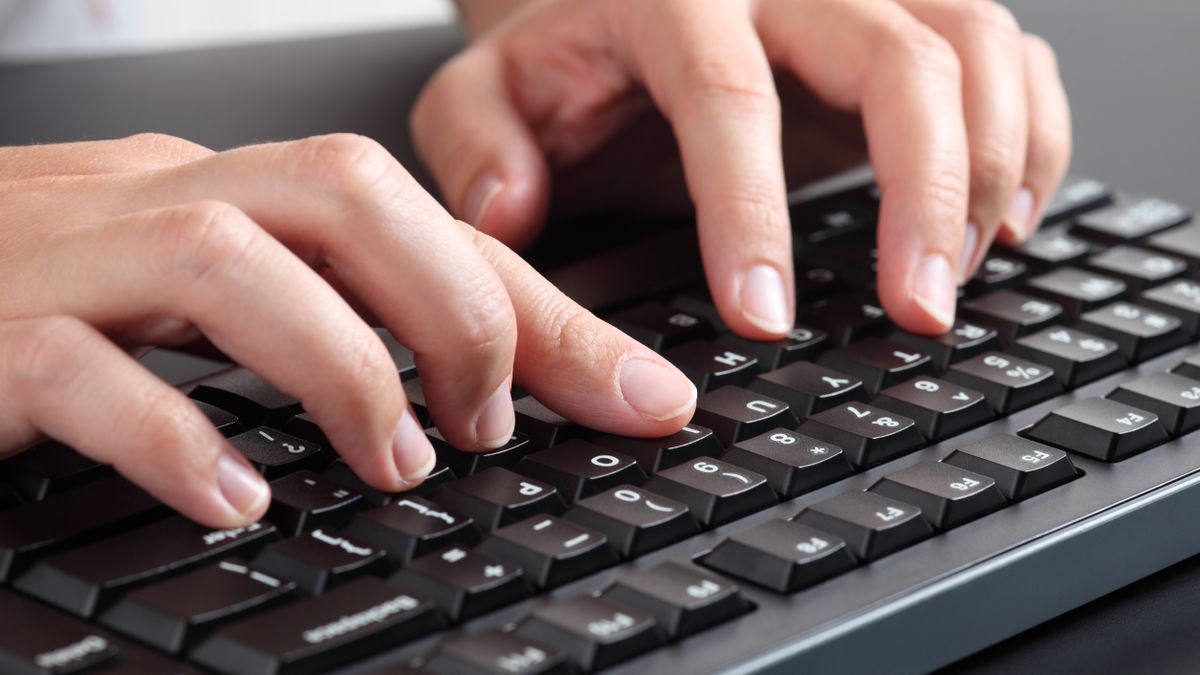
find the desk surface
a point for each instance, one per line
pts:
(1131, 70)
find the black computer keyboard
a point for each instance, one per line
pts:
(850, 499)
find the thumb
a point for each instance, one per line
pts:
(486, 161)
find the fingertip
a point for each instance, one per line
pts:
(934, 291)
(510, 204)
(243, 489)
(656, 390)
(764, 300)
(411, 451)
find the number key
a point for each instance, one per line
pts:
(868, 435)
(793, 463)
(634, 520)
(1076, 357)
(1139, 331)
(1012, 314)
(962, 341)
(1076, 291)
(715, 491)
(941, 409)
(1008, 382)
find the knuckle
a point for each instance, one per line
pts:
(371, 369)
(199, 240)
(350, 167)
(165, 419)
(988, 20)
(46, 352)
(946, 195)
(918, 47)
(995, 166)
(722, 77)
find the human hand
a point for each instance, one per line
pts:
(964, 117)
(265, 250)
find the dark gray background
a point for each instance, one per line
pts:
(1132, 70)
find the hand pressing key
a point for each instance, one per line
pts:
(108, 247)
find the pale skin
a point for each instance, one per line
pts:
(276, 252)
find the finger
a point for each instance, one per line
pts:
(207, 264)
(906, 80)
(988, 42)
(1049, 147)
(62, 377)
(582, 367)
(707, 72)
(141, 152)
(484, 157)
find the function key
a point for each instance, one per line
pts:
(1075, 196)
(1012, 314)
(1020, 467)
(947, 495)
(1174, 398)
(542, 426)
(634, 520)
(868, 435)
(1138, 268)
(997, 272)
(871, 525)
(660, 326)
(847, 318)
(941, 409)
(1139, 331)
(578, 469)
(803, 343)
(241, 392)
(1130, 218)
(1181, 241)
(466, 463)
(808, 388)
(682, 599)
(656, 454)
(962, 341)
(1181, 299)
(1106, 430)
(781, 555)
(496, 652)
(1009, 382)
(596, 633)
(319, 560)
(792, 463)
(276, 454)
(1047, 249)
(462, 583)
(1076, 291)
(305, 501)
(1076, 357)
(716, 492)
(710, 366)
(878, 363)
(412, 526)
(496, 497)
(734, 414)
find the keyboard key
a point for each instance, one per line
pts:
(226, 423)
(1106, 430)
(1181, 241)
(660, 326)
(792, 463)
(816, 281)
(466, 463)
(940, 409)
(463, 584)
(48, 468)
(544, 427)
(803, 343)
(276, 454)
(808, 388)
(715, 492)
(698, 302)
(947, 495)
(1139, 331)
(305, 426)
(832, 217)
(8, 497)
(317, 634)
(319, 560)
(306, 501)
(734, 414)
(1138, 268)
(847, 318)
(72, 518)
(961, 342)
(1076, 195)
(414, 391)
(551, 550)
(1129, 219)
(1076, 291)
(710, 366)
(1047, 249)
(579, 469)
(496, 652)
(402, 356)
(997, 272)
(596, 633)
(85, 579)
(1189, 368)
(682, 599)
(1075, 356)
(254, 400)
(871, 525)
(1020, 467)
(1174, 398)
(1180, 299)
(634, 521)
(497, 497)
(1008, 382)
(35, 639)
(782, 555)
(175, 613)
(1012, 314)
(412, 526)
(655, 454)
(878, 363)
(868, 435)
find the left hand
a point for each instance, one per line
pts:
(964, 117)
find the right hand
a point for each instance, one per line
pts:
(108, 247)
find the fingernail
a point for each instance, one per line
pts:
(480, 197)
(934, 288)
(765, 300)
(970, 241)
(495, 423)
(243, 488)
(655, 390)
(1020, 213)
(411, 449)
